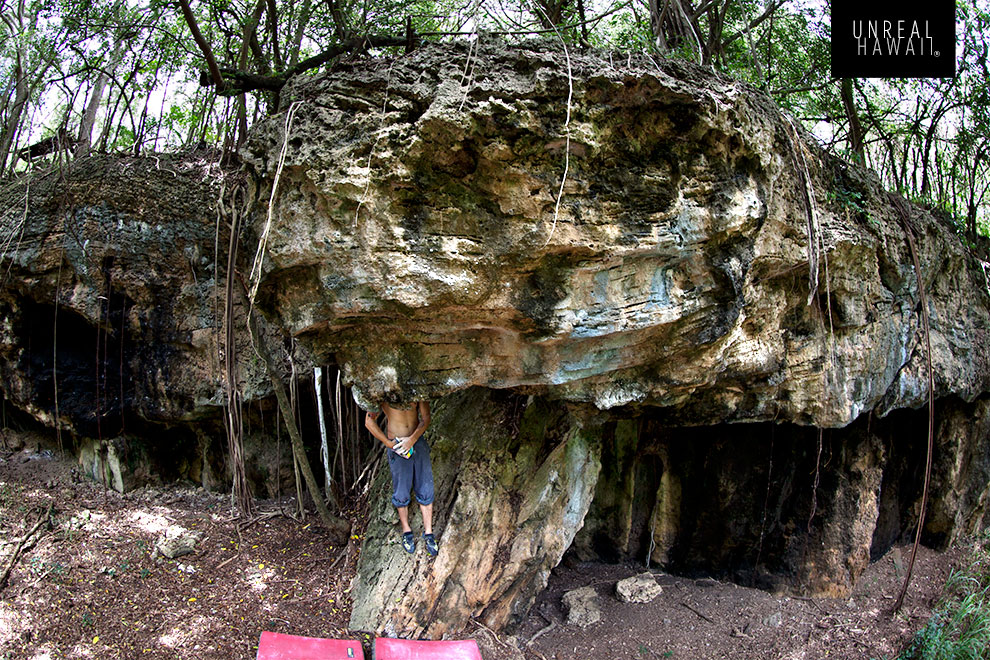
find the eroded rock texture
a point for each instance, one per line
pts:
(108, 287)
(702, 262)
(112, 316)
(514, 480)
(779, 506)
(416, 236)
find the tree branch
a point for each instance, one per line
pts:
(338, 528)
(753, 23)
(240, 82)
(348, 45)
(23, 543)
(211, 62)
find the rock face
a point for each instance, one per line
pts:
(112, 317)
(514, 479)
(595, 266)
(425, 234)
(109, 288)
(663, 250)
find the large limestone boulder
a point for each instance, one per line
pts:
(653, 244)
(619, 231)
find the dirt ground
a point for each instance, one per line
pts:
(705, 618)
(88, 582)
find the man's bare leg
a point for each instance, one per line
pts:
(427, 512)
(404, 518)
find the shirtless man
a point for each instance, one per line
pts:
(405, 427)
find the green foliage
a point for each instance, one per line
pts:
(962, 634)
(960, 627)
(850, 202)
(53, 569)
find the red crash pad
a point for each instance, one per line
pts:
(408, 649)
(276, 646)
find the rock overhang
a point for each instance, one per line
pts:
(606, 231)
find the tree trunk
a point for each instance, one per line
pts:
(296, 44)
(14, 118)
(930, 138)
(249, 27)
(855, 127)
(273, 25)
(5, 95)
(338, 528)
(657, 16)
(972, 202)
(339, 24)
(204, 46)
(673, 26)
(584, 24)
(84, 141)
(235, 427)
(108, 122)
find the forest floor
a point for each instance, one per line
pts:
(87, 582)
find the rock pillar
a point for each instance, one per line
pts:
(514, 479)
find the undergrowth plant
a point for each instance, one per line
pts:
(960, 626)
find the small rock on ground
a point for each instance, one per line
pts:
(178, 542)
(583, 608)
(640, 588)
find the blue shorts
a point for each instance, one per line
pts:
(414, 473)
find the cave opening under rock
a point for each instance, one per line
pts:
(772, 505)
(78, 367)
(525, 482)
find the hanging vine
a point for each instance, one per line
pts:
(905, 218)
(241, 490)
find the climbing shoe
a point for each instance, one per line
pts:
(431, 545)
(409, 542)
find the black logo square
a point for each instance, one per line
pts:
(893, 39)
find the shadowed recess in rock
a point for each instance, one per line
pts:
(740, 501)
(524, 479)
(87, 367)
